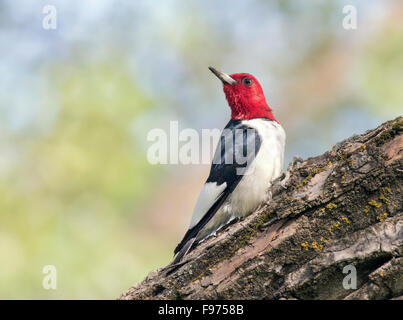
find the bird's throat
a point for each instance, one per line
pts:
(244, 110)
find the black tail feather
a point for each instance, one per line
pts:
(176, 263)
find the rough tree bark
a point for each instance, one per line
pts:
(341, 208)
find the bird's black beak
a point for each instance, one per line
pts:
(225, 78)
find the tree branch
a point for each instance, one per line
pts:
(341, 208)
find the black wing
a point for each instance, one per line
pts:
(238, 146)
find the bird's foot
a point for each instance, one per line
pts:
(291, 166)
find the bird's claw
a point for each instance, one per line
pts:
(291, 166)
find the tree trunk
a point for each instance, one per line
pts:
(341, 212)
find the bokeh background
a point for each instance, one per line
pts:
(76, 104)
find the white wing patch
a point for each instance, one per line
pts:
(208, 196)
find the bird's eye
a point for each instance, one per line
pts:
(247, 81)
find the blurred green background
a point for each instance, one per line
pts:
(76, 104)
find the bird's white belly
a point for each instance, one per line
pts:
(253, 189)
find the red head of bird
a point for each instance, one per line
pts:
(244, 95)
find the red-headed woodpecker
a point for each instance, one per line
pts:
(235, 188)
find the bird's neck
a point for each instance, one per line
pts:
(245, 107)
(240, 111)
